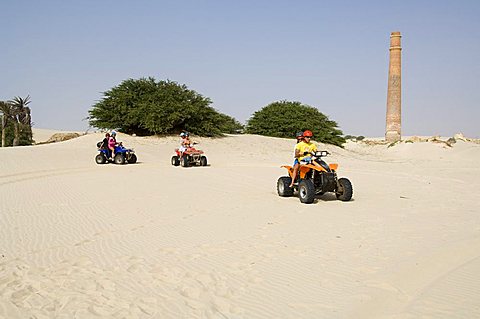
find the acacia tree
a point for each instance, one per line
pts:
(284, 118)
(147, 107)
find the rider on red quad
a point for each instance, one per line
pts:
(185, 143)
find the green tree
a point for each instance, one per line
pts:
(22, 121)
(285, 118)
(16, 122)
(147, 107)
(7, 114)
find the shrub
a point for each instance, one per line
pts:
(284, 119)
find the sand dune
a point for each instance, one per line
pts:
(149, 240)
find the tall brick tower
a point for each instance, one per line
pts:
(394, 93)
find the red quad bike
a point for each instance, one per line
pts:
(313, 180)
(191, 156)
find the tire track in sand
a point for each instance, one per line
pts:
(28, 176)
(413, 289)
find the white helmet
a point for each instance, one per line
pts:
(183, 134)
(113, 133)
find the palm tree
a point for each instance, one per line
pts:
(21, 116)
(7, 114)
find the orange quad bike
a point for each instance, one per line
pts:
(312, 180)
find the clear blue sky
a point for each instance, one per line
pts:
(246, 54)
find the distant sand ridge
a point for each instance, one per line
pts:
(149, 240)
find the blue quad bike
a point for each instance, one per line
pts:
(122, 155)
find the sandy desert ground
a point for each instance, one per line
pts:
(149, 240)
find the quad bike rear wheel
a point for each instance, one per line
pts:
(119, 159)
(132, 159)
(184, 161)
(306, 191)
(100, 159)
(283, 186)
(203, 161)
(175, 160)
(344, 190)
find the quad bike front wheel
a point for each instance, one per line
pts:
(344, 190)
(184, 161)
(119, 159)
(175, 160)
(203, 161)
(306, 191)
(132, 159)
(283, 186)
(100, 159)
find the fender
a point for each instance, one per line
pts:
(304, 169)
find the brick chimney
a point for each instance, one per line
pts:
(393, 131)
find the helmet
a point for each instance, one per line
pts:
(308, 133)
(113, 133)
(299, 135)
(183, 134)
(187, 134)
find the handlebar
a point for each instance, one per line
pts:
(189, 145)
(318, 153)
(322, 153)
